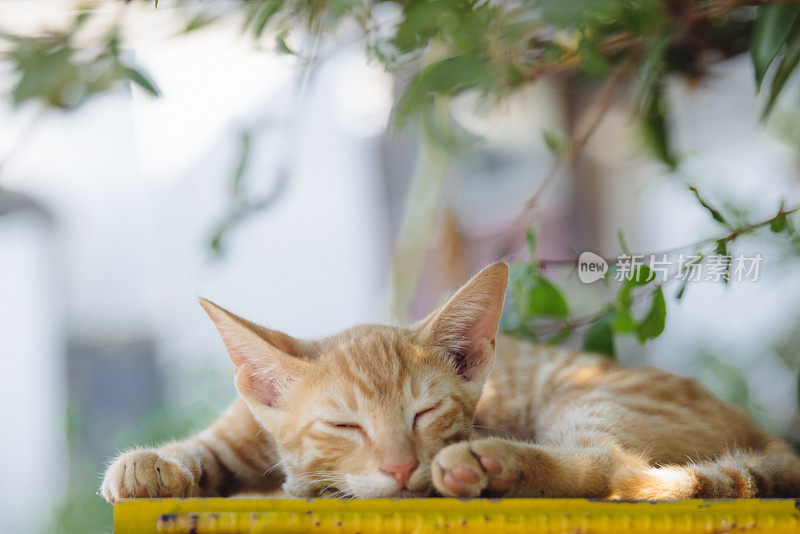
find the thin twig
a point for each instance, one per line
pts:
(571, 324)
(565, 162)
(731, 236)
(596, 113)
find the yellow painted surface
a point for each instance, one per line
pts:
(140, 516)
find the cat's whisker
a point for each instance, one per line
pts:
(278, 464)
(319, 475)
(310, 481)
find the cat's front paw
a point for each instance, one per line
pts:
(146, 474)
(469, 469)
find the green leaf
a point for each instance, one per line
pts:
(599, 337)
(464, 26)
(682, 289)
(651, 69)
(215, 243)
(785, 68)
(282, 47)
(530, 241)
(779, 223)
(555, 142)
(772, 28)
(519, 276)
(623, 321)
(592, 60)
(142, 81)
(641, 276)
(261, 14)
(717, 216)
(655, 128)
(44, 72)
(623, 242)
(241, 166)
(722, 250)
(446, 77)
(421, 21)
(199, 21)
(653, 324)
(636, 16)
(536, 297)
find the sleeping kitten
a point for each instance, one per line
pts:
(385, 411)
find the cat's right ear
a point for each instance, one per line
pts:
(465, 327)
(263, 367)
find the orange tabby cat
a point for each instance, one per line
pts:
(384, 411)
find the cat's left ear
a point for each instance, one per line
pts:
(266, 360)
(465, 327)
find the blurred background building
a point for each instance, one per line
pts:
(108, 215)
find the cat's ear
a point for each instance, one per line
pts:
(264, 359)
(465, 327)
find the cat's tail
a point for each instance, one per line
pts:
(773, 472)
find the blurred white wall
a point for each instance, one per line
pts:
(32, 362)
(137, 186)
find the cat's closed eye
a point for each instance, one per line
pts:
(422, 413)
(349, 426)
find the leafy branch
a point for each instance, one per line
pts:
(488, 47)
(538, 309)
(55, 71)
(778, 223)
(491, 48)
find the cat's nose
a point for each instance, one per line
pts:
(401, 470)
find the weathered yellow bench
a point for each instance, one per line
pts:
(140, 516)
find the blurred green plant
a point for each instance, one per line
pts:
(243, 205)
(489, 47)
(54, 71)
(496, 47)
(82, 509)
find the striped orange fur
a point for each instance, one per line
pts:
(446, 407)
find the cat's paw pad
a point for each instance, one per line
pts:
(469, 469)
(139, 474)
